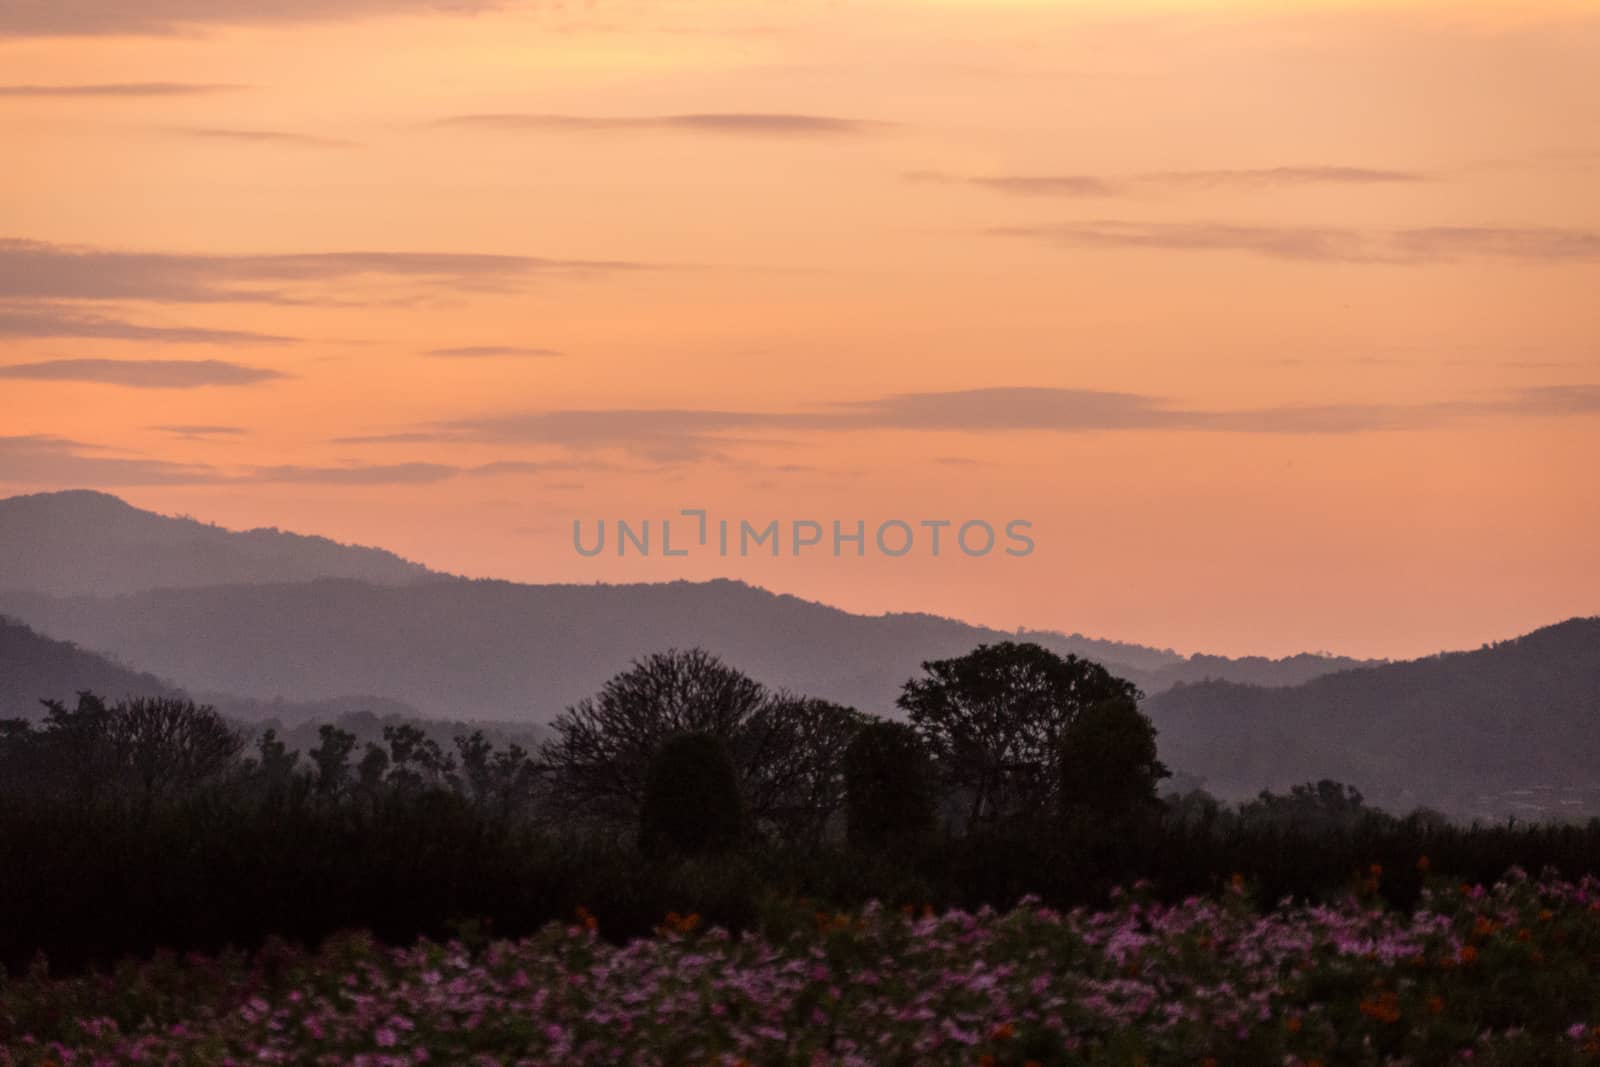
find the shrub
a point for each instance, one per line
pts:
(691, 803)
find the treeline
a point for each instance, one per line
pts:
(681, 786)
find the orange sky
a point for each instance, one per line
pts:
(1288, 310)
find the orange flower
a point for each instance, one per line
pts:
(1293, 1024)
(1545, 915)
(1423, 865)
(1468, 954)
(1385, 1008)
(986, 1060)
(1436, 1005)
(1003, 1032)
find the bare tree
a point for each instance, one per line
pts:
(786, 749)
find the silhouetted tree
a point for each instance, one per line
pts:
(888, 788)
(1325, 805)
(790, 755)
(331, 758)
(1108, 760)
(501, 782)
(995, 719)
(785, 749)
(691, 803)
(169, 746)
(417, 761)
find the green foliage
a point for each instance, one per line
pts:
(1108, 761)
(888, 789)
(691, 802)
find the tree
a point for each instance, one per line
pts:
(500, 782)
(691, 803)
(785, 749)
(1322, 807)
(1108, 760)
(169, 746)
(331, 757)
(995, 719)
(888, 788)
(790, 755)
(417, 761)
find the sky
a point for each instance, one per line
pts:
(1275, 322)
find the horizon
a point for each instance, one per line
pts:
(1275, 321)
(1019, 632)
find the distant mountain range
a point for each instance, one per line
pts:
(277, 626)
(1456, 730)
(267, 614)
(34, 668)
(87, 543)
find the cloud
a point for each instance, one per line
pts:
(657, 434)
(1323, 244)
(679, 435)
(753, 124)
(48, 320)
(40, 18)
(1097, 185)
(32, 459)
(1270, 177)
(280, 137)
(37, 270)
(141, 373)
(117, 89)
(416, 473)
(200, 431)
(492, 351)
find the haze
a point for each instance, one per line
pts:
(1276, 321)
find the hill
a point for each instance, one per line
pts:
(1511, 726)
(34, 668)
(81, 542)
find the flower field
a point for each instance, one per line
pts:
(1505, 974)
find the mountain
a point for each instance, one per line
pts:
(1462, 731)
(34, 668)
(463, 649)
(82, 542)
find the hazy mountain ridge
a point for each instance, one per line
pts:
(88, 543)
(1450, 729)
(76, 544)
(34, 668)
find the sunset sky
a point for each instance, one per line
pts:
(1279, 321)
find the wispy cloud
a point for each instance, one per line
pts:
(1103, 185)
(34, 459)
(117, 89)
(415, 473)
(201, 430)
(492, 352)
(678, 435)
(141, 373)
(40, 320)
(49, 18)
(1327, 244)
(267, 137)
(38, 270)
(754, 124)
